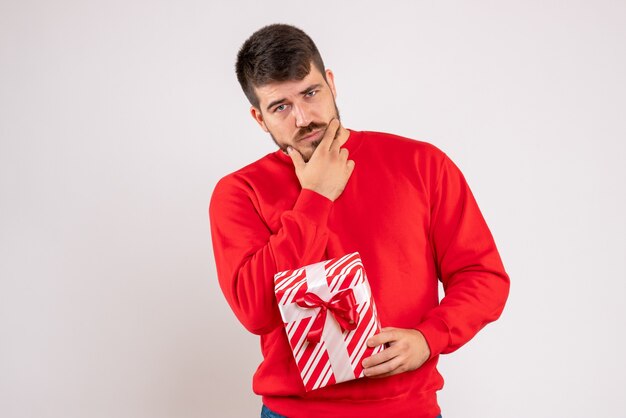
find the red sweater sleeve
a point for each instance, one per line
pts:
(248, 254)
(475, 283)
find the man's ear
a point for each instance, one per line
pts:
(330, 79)
(258, 117)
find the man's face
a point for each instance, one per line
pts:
(297, 113)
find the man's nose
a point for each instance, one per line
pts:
(302, 116)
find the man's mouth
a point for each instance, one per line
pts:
(315, 135)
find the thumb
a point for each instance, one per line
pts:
(296, 157)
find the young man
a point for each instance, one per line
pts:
(330, 191)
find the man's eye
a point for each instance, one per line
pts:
(312, 93)
(280, 108)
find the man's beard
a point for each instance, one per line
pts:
(306, 130)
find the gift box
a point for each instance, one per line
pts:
(329, 314)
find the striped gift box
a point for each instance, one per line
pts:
(329, 314)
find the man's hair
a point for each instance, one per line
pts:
(275, 53)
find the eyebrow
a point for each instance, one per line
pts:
(305, 91)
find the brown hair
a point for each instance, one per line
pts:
(274, 53)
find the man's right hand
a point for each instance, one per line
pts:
(328, 169)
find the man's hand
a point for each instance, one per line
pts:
(328, 169)
(407, 351)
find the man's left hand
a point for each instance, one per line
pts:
(407, 351)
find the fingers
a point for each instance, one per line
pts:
(385, 355)
(330, 134)
(296, 157)
(387, 362)
(339, 140)
(343, 153)
(396, 370)
(385, 335)
(389, 368)
(350, 165)
(407, 350)
(327, 171)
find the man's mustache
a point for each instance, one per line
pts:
(313, 126)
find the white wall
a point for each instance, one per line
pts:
(118, 117)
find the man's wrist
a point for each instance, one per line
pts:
(436, 334)
(315, 205)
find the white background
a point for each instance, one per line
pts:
(118, 117)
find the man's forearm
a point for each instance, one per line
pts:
(248, 255)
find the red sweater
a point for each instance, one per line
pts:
(410, 214)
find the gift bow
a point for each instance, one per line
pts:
(342, 305)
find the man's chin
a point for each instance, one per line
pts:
(308, 152)
(306, 156)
